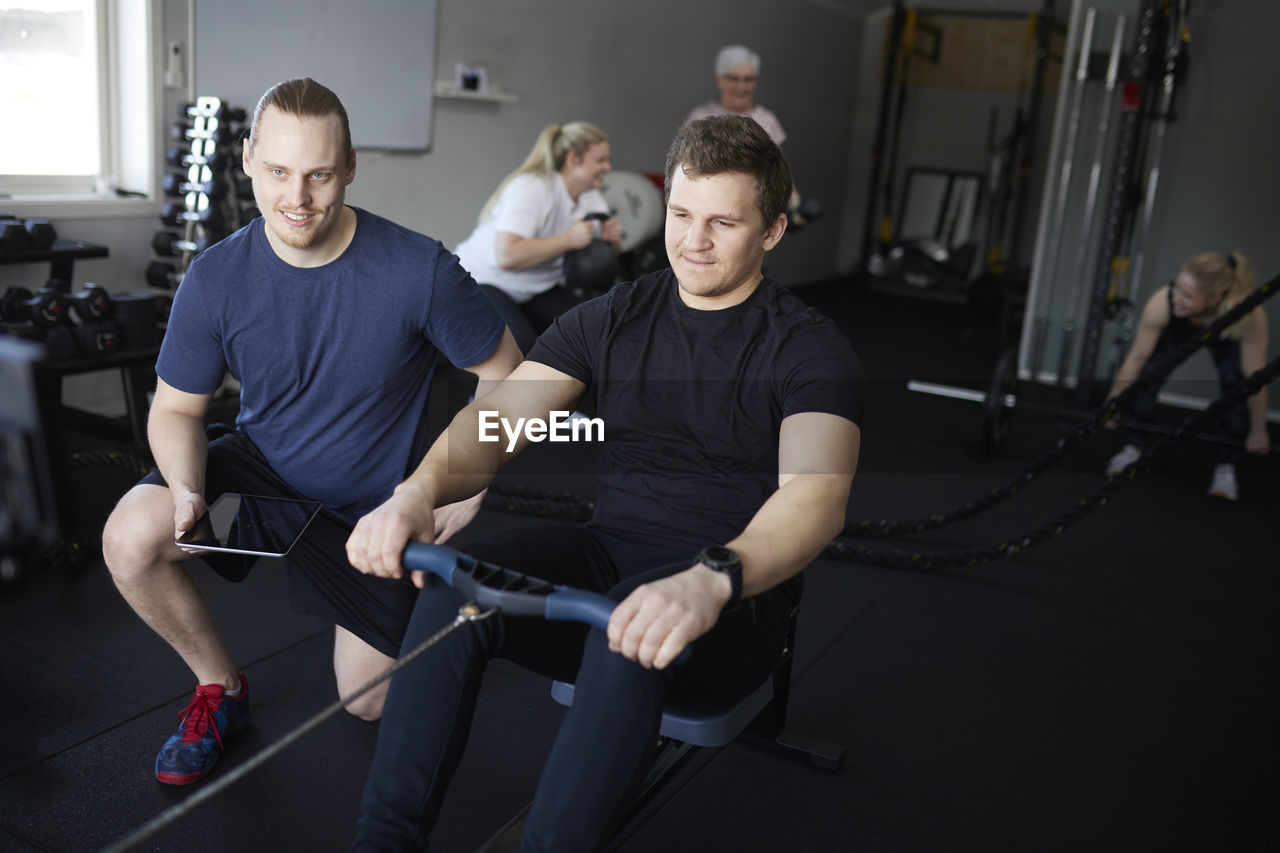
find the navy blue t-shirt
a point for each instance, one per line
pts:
(334, 362)
(692, 401)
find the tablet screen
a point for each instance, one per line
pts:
(250, 524)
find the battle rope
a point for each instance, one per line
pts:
(999, 494)
(570, 507)
(562, 506)
(469, 613)
(899, 559)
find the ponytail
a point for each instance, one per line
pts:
(1228, 276)
(548, 154)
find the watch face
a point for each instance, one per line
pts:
(720, 557)
(720, 554)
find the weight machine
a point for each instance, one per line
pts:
(1117, 214)
(978, 229)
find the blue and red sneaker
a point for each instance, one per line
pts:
(191, 753)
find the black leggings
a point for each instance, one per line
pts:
(1232, 424)
(608, 738)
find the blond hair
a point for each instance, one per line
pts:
(548, 154)
(304, 98)
(1227, 277)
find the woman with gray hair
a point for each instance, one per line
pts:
(737, 71)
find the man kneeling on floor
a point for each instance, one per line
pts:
(731, 439)
(332, 318)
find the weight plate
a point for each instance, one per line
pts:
(995, 421)
(637, 203)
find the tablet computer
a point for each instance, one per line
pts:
(250, 524)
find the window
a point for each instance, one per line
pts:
(76, 96)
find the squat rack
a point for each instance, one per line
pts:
(1137, 76)
(1004, 232)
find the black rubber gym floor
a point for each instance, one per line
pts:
(1114, 688)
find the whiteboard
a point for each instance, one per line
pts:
(378, 56)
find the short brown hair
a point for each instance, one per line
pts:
(305, 98)
(733, 144)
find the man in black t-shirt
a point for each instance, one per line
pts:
(730, 417)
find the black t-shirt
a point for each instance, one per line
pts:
(692, 401)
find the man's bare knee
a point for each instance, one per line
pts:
(369, 706)
(138, 534)
(355, 664)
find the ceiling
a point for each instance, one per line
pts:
(862, 8)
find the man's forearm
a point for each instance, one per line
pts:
(179, 446)
(457, 466)
(792, 528)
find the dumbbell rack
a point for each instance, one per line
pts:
(207, 178)
(61, 255)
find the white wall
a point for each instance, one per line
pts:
(635, 70)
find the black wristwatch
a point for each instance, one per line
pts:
(725, 560)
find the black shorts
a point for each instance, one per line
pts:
(321, 581)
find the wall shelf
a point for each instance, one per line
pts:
(450, 91)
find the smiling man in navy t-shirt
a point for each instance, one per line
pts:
(331, 318)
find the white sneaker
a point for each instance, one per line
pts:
(1224, 482)
(1128, 455)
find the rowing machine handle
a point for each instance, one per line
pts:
(513, 593)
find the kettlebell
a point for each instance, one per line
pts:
(593, 269)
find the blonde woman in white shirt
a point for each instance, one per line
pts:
(537, 214)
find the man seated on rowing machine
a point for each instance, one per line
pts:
(730, 413)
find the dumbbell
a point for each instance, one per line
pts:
(40, 234)
(201, 152)
(96, 339)
(167, 243)
(593, 268)
(45, 308)
(806, 212)
(175, 185)
(13, 235)
(198, 209)
(95, 333)
(12, 308)
(163, 276)
(201, 128)
(90, 303)
(222, 112)
(20, 235)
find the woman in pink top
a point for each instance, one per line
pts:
(737, 72)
